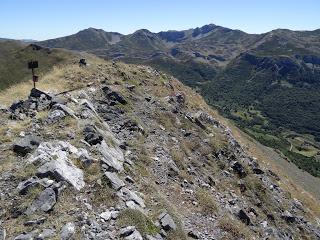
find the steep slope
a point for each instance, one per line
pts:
(128, 152)
(268, 83)
(15, 56)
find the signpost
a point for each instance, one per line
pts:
(32, 65)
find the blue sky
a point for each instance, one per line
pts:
(44, 19)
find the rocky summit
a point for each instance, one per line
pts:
(117, 151)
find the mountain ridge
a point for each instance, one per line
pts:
(118, 151)
(243, 75)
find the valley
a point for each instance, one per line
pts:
(273, 77)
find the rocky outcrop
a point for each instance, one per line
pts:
(54, 163)
(112, 156)
(107, 171)
(167, 222)
(114, 180)
(26, 145)
(44, 202)
(67, 231)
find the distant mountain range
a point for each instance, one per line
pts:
(268, 83)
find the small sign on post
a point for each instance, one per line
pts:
(32, 65)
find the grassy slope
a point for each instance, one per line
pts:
(14, 58)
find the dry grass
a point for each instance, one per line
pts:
(59, 79)
(11, 130)
(178, 157)
(206, 202)
(234, 229)
(132, 217)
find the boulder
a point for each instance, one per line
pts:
(131, 87)
(44, 202)
(36, 93)
(244, 217)
(115, 96)
(155, 237)
(24, 186)
(65, 109)
(193, 235)
(112, 156)
(67, 231)
(239, 169)
(84, 157)
(257, 171)
(55, 116)
(48, 151)
(288, 217)
(134, 236)
(35, 222)
(167, 222)
(26, 145)
(47, 233)
(130, 233)
(106, 215)
(133, 205)
(115, 182)
(25, 236)
(128, 195)
(62, 169)
(173, 169)
(91, 136)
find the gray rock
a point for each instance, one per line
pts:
(129, 179)
(25, 236)
(114, 180)
(63, 170)
(111, 156)
(239, 169)
(67, 231)
(55, 116)
(2, 233)
(128, 195)
(156, 237)
(84, 157)
(65, 109)
(243, 216)
(288, 217)
(132, 205)
(47, 233)
(44, 202)
(114, 96)
(87, 104)
(91, 135)
(106, 215)
(127, 231)
(26, 145)
(167, 222)
(24, 186)
(36, 93)
(173, 169)
(35, 222)
(193, 235)
(131, 87)
(134, 236)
